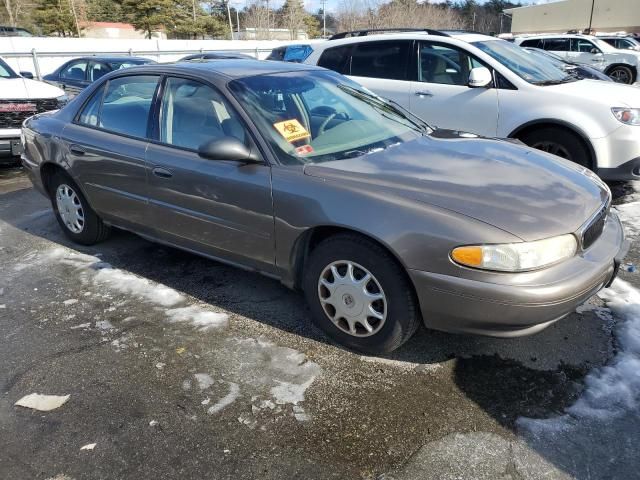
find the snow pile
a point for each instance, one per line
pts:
(228, 399)
(42, 403)
(613, 390)
(629, 213)
(101, 274)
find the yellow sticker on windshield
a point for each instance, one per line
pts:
(291, 130)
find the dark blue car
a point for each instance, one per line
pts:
(78, 73)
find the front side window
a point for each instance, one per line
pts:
(583, 46)
(193, 114)
(320, 116)
(557, 44)
(446, 65)
(74, 71)
(122, 106)
(380, 60)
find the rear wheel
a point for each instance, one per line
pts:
(74, 214)
(621, 74)
(560, 142)
(359, 295)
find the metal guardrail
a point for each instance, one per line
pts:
(35, 55)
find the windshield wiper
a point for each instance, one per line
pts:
(567, 79)
(385, 106)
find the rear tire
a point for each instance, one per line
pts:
(621, 74)
(78, 220)
(369, 283)
(560, 142)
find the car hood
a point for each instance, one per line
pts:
(611, 93)
(24, 88)
(525, 192)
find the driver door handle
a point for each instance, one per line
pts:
(162, 172)
(423, 93)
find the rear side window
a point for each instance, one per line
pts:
(533, 43)
(74, 71)
(557, 44)
(124, 107)
(336, 59)
(381, 60)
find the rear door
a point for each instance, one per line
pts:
(106, 147)
(441, 95)
(221, 208)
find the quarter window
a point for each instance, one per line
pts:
(97, 70)
(75, 71)
(193, 114)
(91, 110)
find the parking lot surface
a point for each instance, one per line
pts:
(181, 367)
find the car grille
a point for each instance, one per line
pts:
(593, 231)
(14, 119)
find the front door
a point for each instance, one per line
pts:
(222, 208)
(106, 148)
(73, 78)
(441, 95)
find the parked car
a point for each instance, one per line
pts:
(8, 31)
(290, 53)
(480, 84)
(214, 56)
(621, 42)
(75, 75)
(20, 98)
(621, 66)
(579, 70)
(301, 174)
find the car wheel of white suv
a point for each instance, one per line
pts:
(621, 74)
(560, 142)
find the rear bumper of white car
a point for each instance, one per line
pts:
(618, 154)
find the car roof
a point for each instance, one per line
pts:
(232, 68)
(458, 35)
(113, 58)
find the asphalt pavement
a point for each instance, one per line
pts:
(179, 367)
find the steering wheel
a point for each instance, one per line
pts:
(326, 121)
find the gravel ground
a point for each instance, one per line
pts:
(181, 367)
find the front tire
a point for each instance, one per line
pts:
(78, 220)
(621, 74)
(560, 142)
(359, 295)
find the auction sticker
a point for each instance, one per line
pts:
(291, 130)
(304, 150)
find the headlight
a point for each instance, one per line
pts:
(516, 257)
(630, 116)
(62, 100)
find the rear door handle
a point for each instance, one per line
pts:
(77, 150)
(162, 172)
(424, 93)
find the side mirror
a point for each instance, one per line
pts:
(228, 148)
(480, 77)
(595, 51)
(28, 75)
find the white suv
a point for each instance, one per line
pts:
(491, 87)
(621, 66)
(21, 98)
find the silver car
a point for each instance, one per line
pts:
(303, 175)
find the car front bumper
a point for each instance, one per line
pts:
(512, 308)
(10, 145)
(618, 154)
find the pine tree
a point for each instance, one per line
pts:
(55, 17)
(149, 15)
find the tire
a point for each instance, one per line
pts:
(560, 142)
(621, 74)
(388, 278)
(66, 195)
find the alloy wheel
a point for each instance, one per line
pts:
(554, 148)
(620, 75)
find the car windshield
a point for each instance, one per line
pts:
(543, 57)
(312, 117)
(126, 64)
(6, 71)
(523, 64)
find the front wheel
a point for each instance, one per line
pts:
(621, 74)
(359, 295)
(74, 214)
(559, 142)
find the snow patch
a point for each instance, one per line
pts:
(629, 213)
(204, 380)
(200, 318)
(89, 446)
(71, 301)
(43, 403)
(128, 283)
(228, 399)
(81, 326)
(612, 390)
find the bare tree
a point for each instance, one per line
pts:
(14, 10)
